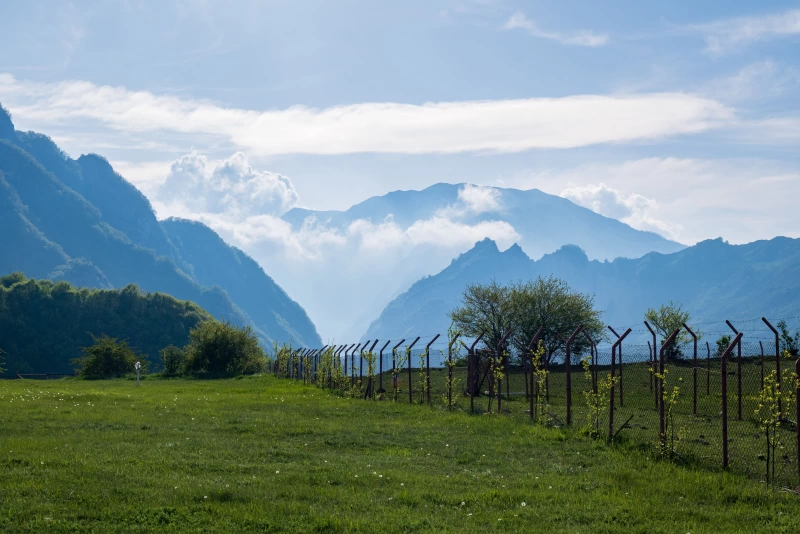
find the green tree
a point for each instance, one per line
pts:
(550, 303)
(108, 357)
(220, 348)
(173, 360)
(722, 343)
(485, 309)
(788, 342)
(665, 320)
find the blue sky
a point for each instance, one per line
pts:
(685, 114)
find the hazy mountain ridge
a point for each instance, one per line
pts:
(713, 279)
(52, 230)
(545, 222)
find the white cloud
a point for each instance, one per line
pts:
(580, 38)
(445, 127)
(723, 35)
(631, 208)
(227, 186)
(740, 199)
(479, 199)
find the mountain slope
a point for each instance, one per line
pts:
(256, 293)
(713, 280)
(82, 222)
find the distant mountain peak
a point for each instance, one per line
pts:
(6, 124)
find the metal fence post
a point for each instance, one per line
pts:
(655, 363)
(381, 391)
(616, 344)
(797, 409)
(499, 355)
(777, 365)
(661, 355)
(724, 369)
(450, 371)
(694, 370)
(708, 369)
(621, 398)
(738, 371)
(569, 373)
(428, 367)
(394, 368)
(534, 340)
(410, 383)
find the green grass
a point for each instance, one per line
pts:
(268, 455)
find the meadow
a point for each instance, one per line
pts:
(261, 454)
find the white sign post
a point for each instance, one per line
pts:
(138, 367)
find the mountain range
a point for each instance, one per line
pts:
(80, 221)
(385, 243)
(713, 280)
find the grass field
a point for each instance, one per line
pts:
(267, 455)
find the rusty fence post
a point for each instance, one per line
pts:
(361, 366)
(761, 346)
(655, 363)
(569, 372)
(650, 362)
(534, 341)
(708, 369)
(410, 383)
(592, 359)
(450, 371)
(617, 343)
(662, 432)
(777, 365)
(472, 372)
(724, 369)
(694, 369)
(395, 372)
(739, 371)
(381, 391)
(370, 386)
(621, 398)
(428, 367)
(499, 361)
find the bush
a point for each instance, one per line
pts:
(173, 360)
(109, 357)
(221, 348)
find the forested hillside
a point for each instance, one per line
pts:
(44, 324)
(79, 221)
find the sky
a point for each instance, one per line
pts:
(680, 117)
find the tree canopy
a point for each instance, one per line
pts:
(665, 320)
(108, 358)
(43, 324)
(524, 307)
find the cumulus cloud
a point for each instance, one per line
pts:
(230, 185)
(443, 127)
(580, 38)
(723, 35)
(631, 208)
(479, 199)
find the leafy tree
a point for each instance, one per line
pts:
(722, 343)
(108, 357)
(550, 303)
(665, 320)
(43, 324)
(173, 360)
(788, 343)
(221, 348)
(486, 309)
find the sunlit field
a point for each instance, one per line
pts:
(262, 454)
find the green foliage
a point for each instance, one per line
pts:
(665, 320)
(771, 399)
(43, 324)
(108, 357)
(788, 342)
(485, 309)
(723, 343)
(524, 307)
(551, 303)
(173, 360)
(216, 348)
(597, 399)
